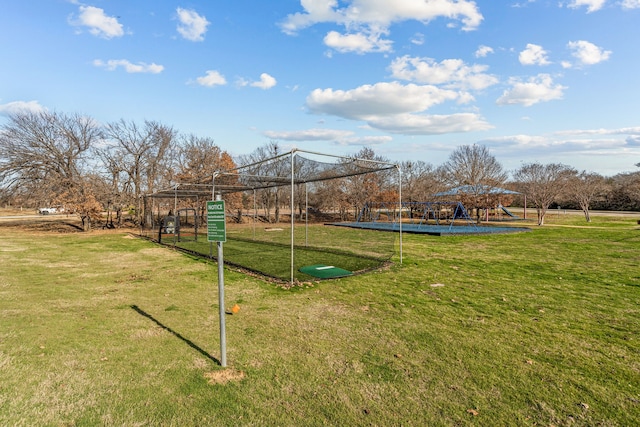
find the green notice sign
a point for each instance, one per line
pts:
(216, 224)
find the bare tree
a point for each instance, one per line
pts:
(115, 196)
(303, 168)
(542, 184)
(270, 197)
(419, 181)
(330, 194)
(473, 165)
(624, 193)
(363, 188)
(48, 152)
(475, 169)
(198, 160)
(143, 153)
(584, 188)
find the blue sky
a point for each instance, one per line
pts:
(533, 80)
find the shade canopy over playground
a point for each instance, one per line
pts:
(479, 189)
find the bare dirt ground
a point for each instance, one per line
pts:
(49, 223)
(28, 221)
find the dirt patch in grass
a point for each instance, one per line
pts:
(224, 376)
(46, 225)
(53, 224)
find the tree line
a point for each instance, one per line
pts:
(70, 160)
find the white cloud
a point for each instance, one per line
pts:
(574, 147)
(592, 5)
(357, 42)
(533, 55)
(601, 131)
(452, 73)
(631, 4)
(340, 137)
(418, 124)
(128, 66)
(396, 108)
(588, 53)
(524, 4)
(99, 24)
(633, 141)
(17, 107)
(266, 82)
(483, 51)
(211, 79)
(521, 141)
(309, 135)
(379, 99)
(191, 26)
(418, 38)
(367, 20)
(556, 144)
(537, 89)
(365, 140)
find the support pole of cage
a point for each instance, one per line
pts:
(255, 213)
(153, 222)
(159, 224)
(306, 214)
(176, 227)
(400, 202)
(293, 154)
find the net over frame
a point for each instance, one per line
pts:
(311, 184)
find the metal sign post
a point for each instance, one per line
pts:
(216, 232)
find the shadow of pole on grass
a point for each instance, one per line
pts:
(176, 334)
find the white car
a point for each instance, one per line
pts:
(47, 211)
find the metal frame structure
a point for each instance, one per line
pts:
(249, 178)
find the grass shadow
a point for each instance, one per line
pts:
(176, 334)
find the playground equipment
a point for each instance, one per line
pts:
(416, 213)
(433, 218)
(508, 212)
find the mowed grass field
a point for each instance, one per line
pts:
(530, 329)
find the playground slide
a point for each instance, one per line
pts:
(508, 212)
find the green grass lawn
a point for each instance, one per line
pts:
(532, 329)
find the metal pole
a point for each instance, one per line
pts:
(400, 197)
(293, 153)
(306, 214)
(175, 211)
(213, 197)
(213, 186)
(223, 333)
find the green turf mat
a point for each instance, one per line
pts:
(325, 271)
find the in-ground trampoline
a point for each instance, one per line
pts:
(433, 218)
(430, 229)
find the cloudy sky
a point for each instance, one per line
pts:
(533, 80)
